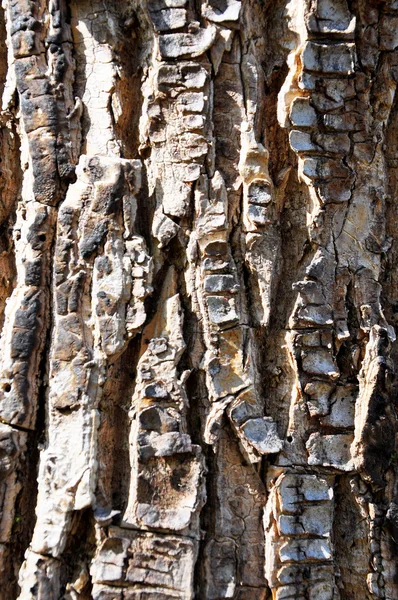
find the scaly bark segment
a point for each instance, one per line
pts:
(327, 132)
(40, 46)
(102, 275)
(41, 72)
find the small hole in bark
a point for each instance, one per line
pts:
(42, 237)
(289, 439)
(7, 387)
(145, 153)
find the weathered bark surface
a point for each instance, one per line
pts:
(198, 294)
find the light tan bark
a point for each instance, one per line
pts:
(198, 295)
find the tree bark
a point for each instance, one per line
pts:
(198, 294)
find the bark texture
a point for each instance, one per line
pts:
(198, 295)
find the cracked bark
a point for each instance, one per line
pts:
(198, 299)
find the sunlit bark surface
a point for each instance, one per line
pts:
(198, 294)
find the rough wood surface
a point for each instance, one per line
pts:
(198, 299)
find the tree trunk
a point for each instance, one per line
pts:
(198, 293)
